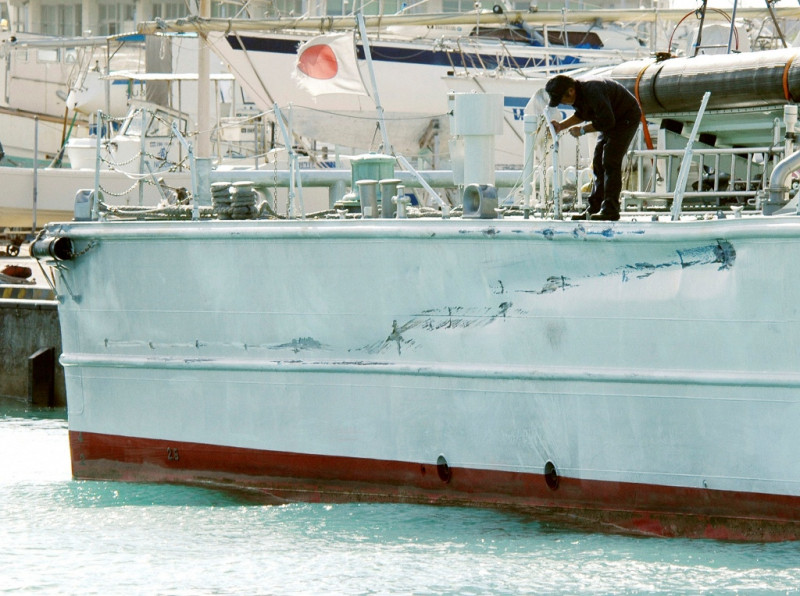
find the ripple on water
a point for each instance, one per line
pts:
(59, 535)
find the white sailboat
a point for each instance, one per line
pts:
(54, 86)
(439, 53)
(38, 144)
(415, 114)
(45, 78)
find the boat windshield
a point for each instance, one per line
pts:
(158, 123)
(514, 34)
(535, 36)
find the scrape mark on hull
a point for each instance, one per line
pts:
(722, 252)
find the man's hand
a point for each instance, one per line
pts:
(556, 126)
(575, 131)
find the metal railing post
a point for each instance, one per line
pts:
(193, 166)
(683, 174)
(96, 193)
(35, 170)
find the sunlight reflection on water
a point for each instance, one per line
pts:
(63, 536)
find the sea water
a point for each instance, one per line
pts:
(62, 536)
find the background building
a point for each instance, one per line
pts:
(112, 17)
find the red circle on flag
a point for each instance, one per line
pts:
(318, 62)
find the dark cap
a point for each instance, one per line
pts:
(557, 87)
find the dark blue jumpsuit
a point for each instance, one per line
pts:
(615, 114)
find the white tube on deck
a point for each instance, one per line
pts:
(529, 128)
(478, 119)
(790, 120)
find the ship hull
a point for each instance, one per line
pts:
(635, 377)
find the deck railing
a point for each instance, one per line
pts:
(717, 176)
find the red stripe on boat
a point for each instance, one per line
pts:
(617, 507)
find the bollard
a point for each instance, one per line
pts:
(368, 195)
(388, 192)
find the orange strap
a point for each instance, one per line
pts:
(645, 129)
(786, 94)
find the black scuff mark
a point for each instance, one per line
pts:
(607, 233)
(722, 252)
(458, 317)
(395, 338)
(443, 318)
(503, 309)
(298, 344)
(726, 254)
(582, 232)
(488, 232)
(437, 319)
(553, 283)
(549, 233)
(498, 288)
(690, 257)
(640, 270)
(455, 317)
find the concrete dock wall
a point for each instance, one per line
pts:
(31, 344)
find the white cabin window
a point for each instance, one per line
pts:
(47, 55)
(70, 55)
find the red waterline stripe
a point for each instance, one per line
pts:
(600, 505)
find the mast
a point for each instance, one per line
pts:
(539, 17)
(202, 151)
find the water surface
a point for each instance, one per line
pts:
(62, 536)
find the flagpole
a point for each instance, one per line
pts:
(368, 55)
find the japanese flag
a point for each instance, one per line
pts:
(327, 64)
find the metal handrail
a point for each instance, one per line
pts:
(717, 159)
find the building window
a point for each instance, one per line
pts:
(23, 17)
(63, 20)
(338, 7)
(170, 10)
(372, 7)
(114, 19)
(274, 8)
(227, 10)
(460, 5)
